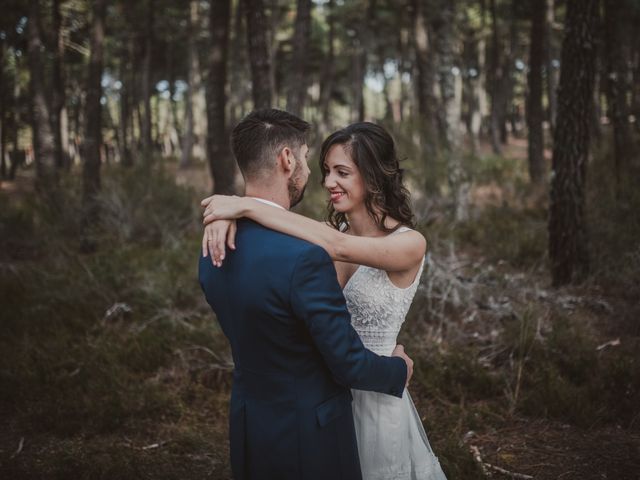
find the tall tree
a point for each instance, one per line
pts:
(43, 137)
(534, 110)
(616, 86)
(193, 81)
(567, 223)
(126, 76)
(58, 109)
(222, 166)
(549, 52)
(450, 83)
(93, 114)
(362, 41)
(425, 81)
(328, 68)
(146, 129)
(3, 129)
(495, 80)
(259, 58)
(301, 39)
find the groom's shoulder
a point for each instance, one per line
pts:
(286, 243)
(281, 247)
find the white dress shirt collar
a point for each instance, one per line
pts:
(268, 202)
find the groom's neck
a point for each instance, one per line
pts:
(274, 193)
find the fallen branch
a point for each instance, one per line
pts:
(20, 446)
(154, 445)
(487, 466)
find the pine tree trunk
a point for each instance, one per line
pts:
(362, 42)
(172, 124)
(551, 77)
(259, 58)
(93, 117)
(58, 96)
(405, 64)
(238, 66)
(508, 80)
(125, 105)
(567, 223)
(535, 111)
(223, 171)
(635, 92)
(3, 129)
(301, 38)
(616, 87)
(450, 83)
(495, 79)
(326, 84)
(426, 77)
(146, 130)
(193, 67)
(43, 137)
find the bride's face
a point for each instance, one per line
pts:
(343, 180)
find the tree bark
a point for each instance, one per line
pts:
(635, 92)
(58, 110)
(326, 83)
(508, 82)
(223, 171)
(567, 223)
(495, 79)
(549, 52)
(172, 128)
(425, 82)
(297, 93)
(535, 111)
(3, 129)
(238, 66)
(616, 86)
(93, 118)
(450, 83)
(43, 136)
(187, 139)
(362, 43)
(125, 104)
(146, 131)
(261, 78)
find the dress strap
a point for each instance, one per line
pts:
(401, 229)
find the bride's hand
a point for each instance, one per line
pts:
(222, 207)
(215, 235)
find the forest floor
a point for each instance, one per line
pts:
(114, 368)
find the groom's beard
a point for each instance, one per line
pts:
(296, 192)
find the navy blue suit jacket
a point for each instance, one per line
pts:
(296, 357)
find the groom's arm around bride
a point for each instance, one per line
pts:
(318, 301)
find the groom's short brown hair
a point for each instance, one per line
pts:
(259, 137)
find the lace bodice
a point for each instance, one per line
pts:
(378, 307)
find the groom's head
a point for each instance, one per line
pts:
(270, 145)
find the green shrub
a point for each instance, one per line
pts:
(518, 236)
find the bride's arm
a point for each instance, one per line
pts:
(391, 253)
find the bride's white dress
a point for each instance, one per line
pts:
(392, 443)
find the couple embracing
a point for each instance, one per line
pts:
(312, 310)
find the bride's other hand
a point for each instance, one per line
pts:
(216, 234)
(219, 207)
(398, 351)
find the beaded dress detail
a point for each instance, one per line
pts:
(392, 442)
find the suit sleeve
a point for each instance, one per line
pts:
(316, 298)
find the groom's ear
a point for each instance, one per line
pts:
(286, 160)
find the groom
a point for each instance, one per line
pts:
(278, 302)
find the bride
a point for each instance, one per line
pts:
(379, 258)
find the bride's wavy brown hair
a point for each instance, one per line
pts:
(373, 151)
